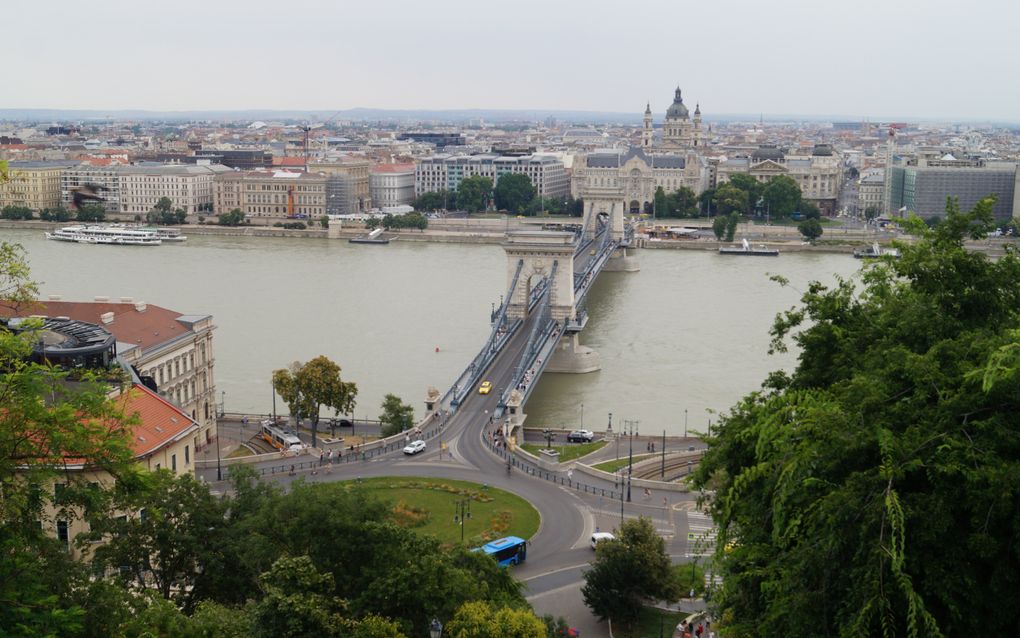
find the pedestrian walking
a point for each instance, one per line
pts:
(331, 456)
(322, 457)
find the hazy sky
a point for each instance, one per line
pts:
(921, 58)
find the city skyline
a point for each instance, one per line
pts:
(910, 59)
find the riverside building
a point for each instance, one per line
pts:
(445, 172)
(264, 196)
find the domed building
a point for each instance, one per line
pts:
(680, 131)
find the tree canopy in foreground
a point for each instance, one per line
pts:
(875, 491)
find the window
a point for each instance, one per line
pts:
(187, 455)
(173, 463)
(62, 532)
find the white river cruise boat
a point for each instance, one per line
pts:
(121, 236)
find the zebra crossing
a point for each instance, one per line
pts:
(701, 534)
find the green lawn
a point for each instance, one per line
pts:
(428, 505)
(616, 464)
(649, 623)
(567, 452)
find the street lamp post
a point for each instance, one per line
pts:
(663, 472)
(549, 436)
(630, 460)
(462, 515)
(685, 423)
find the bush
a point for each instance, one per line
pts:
(16, 212)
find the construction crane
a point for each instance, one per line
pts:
(306, 128)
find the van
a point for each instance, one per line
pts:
(598, 537)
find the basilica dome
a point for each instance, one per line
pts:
(677, 110)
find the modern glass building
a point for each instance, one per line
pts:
(923, 190)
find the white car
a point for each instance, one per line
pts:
(599, 537)
(581, 436)
(415, 447)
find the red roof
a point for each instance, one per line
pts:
(289, 161)
(160, 422)
(143, 328)
(393, 168)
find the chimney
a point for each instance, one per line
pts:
(126, 299)
(54, 297)
(102, 298)
(140, 306)
(106, 317)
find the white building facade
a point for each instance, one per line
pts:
(392, 184)
(187, 187)
(445, 172)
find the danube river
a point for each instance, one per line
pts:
(686, 334)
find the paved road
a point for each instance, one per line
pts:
(559, 551)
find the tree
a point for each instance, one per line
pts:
(871, 212)
(233, 218)
(705, 200)
(372, 223)
(810, 228)
(478, 619)
(729, 198)
(165, 547)
(16, 212)
(629, 572)
(473, 193)
(324, 221)
(47, 416)
(719, 227)
(396, 415)
(91, 213)
(306, 387)
(873, 490)
(433, 201)
(809, 210)
(513, 192)
(749, 185)
(731, 225)
(58, 214)
(661, 202)
(681, 203)
(782, 194)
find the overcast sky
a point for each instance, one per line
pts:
(920, 58)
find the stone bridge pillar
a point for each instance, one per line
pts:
(540, 249)
(613, 207)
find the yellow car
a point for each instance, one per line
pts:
(485, 387)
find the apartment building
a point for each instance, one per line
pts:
(35, 185)
(106, 177)
(188, 187)
(445, 172)
(268, 195)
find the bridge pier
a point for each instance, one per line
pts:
(620, 261)
(570, 357)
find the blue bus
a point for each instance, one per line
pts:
(507, 551)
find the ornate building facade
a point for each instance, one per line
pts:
(634, 175)
(680, 132)
(819, 174)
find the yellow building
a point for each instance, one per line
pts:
(355, 170)
(35, 185)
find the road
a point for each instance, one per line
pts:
(570, 511)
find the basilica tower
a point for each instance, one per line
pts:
(646, 132)
(678, 130)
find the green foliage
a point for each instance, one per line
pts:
(396, 415)
(291, 225)
(782, 194)
(306, 387)
(749, 185)
(514, 191)
(324, 221)
(407, 220)
(628, 571)
(91, 213)
(478, 619)
(58, 214)
(730, 199)
(810, 228)
(372, 223)
(44, 421)
(809, 210)
(681, 203)
(705, 200)
(731, 225)
(233, 218)
(433, 201)
(16, 212)
(473, 193)
(874, 490)
(871, 212)
(719, 227)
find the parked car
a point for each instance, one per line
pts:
(414, 447)
(598, 537)
(581, 436)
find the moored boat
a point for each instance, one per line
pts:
(121, 236)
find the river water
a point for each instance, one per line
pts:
(686, 334)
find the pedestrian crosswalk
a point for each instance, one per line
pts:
(701, 534)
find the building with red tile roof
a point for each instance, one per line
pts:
(175, 350)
